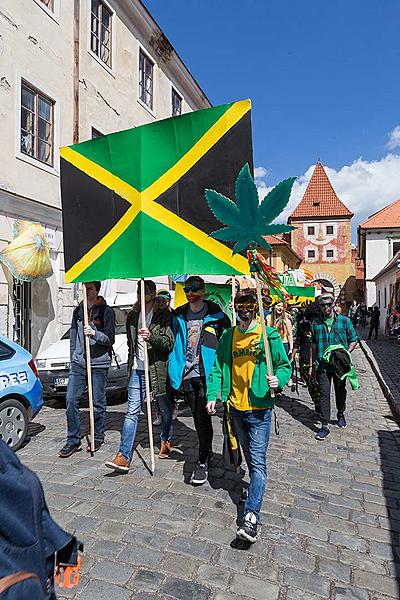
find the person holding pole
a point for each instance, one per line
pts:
(101, 334)
(198, 325)
(156, 332)
(248, 386)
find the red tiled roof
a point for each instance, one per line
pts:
(386, 218)
(320, 199)
(275, 240)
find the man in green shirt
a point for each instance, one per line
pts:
(333, 329)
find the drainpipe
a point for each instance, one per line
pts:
(76, 73)
(75, 114)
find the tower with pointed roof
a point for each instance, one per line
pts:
(323, 235)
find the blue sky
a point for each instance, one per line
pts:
(323, 77)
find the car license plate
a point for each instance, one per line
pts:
(61, 381)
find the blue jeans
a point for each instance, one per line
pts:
(136, 398)
(253, 428)
(77, 382)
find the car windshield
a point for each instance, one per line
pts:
(121, 313)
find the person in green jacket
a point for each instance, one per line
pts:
(240, 374)
(159, 338)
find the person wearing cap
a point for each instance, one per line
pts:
(330, 330)
(240, 375)
(157, 333)
(197, 327)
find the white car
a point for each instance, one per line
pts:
(53, 364)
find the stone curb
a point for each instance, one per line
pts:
(394, 402)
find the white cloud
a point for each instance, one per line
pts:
(260, 172)
(394, 138)
(364, 186)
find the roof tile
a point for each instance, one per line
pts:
(320, 199)
(386, 218)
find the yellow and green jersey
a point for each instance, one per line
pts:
(246, 347)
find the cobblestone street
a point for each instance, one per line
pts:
(330, 521)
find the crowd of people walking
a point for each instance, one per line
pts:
(195, 350)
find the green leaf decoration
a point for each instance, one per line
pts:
(246, 194)
(227, 234)
(246, 221)
(223, 209)
(276, 200)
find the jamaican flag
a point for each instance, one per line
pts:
(133, 201)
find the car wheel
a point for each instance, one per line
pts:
(13, 423)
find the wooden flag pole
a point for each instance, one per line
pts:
(233, 283)
(146, 376)
(268, 359)
(88, 369)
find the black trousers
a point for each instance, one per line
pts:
(195, 393)
(373, 328)
(325, 384)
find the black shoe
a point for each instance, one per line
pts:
(248, 529)
(200, 474)
(69, 449)
(341, 421)
(97, 446)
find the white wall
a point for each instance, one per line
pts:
(383, 283)
(38, 47)
(377, 255)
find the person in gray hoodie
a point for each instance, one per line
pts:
(101, 332)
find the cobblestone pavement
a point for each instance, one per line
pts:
(330, 521)
(386, 354)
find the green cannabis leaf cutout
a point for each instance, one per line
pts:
(246, 220)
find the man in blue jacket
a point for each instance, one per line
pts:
(197, 326)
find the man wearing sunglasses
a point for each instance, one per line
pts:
(197, 327)
(331, 330)
(240, 374)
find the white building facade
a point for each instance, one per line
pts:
(69, 71)
(378, 242)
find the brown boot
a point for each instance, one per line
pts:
(120, 463)
(165, 450)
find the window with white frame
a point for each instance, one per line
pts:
(146, 68)
(329, 230)
(176, 101)
(310, 230)
(37, 124)
(330, 254)
(310, 253)
(100, 31)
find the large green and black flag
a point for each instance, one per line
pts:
(133, 201)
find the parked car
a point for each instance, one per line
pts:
(53, 364)
(20, 392)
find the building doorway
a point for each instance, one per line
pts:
(22, 313)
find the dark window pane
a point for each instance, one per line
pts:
(96, 7)
(27, 98)
(44, 109)
(106, 18)
(44, 130)
(44, 152)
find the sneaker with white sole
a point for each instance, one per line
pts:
(341, 421)
(248, 529)
(322, 434)
(200, 474)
